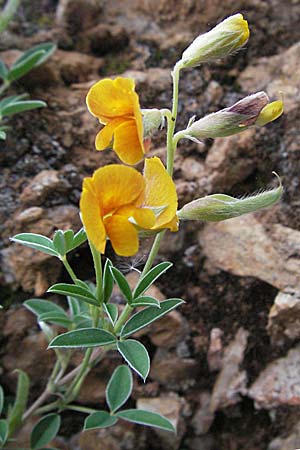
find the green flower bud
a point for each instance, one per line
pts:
(153, 119)
(252, 110)
(224, 39)
(217, 207)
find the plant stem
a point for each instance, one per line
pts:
(172, 122)
(69, 269)
(7, 13)
(98, 271)
(171, 148)
(47, 392)
(48, 407)
(74, 372)
(5, 85)
(77, 380)
(153, 252)
(83, 409)
(123, 317)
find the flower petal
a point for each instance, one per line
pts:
(111, 98)
(160, 191)
(117, 185)
(122, 234)
(105, 136)
(127, 142)
(144, 217)
(91, 216)
(270, 112)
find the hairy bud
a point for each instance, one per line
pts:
(252, 110)
(225, 38)
(217, 207)
(152, 121)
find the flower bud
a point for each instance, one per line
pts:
(217, 207)
(251, 110)
(225, 38)
(152, 121)
(269, 113)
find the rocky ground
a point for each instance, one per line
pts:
(226, 366)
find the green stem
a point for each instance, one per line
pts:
(153, 252)
(5, 85)
(69, 269)
(122, 319)
(7, 13)
(83, 409)
(98, 271)
(53, 405)
(172, 121)
(72, 389)
(47, 392)
(171, 148)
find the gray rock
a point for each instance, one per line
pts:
(279, 383)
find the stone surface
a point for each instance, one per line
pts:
(284, 318)
(243, 246)
(215, 350)
(275, 74)
(78, 15)
(279, 383)
(170, 407)
(231, 381)
(42, 186)
(171, 371)
(229, 161)
(204, 416)
(291, 442)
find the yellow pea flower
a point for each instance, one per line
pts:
(117, 201)
(116, 104)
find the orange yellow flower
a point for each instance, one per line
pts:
(116, 104)
(117, 201)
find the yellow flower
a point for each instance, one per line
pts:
(116, 105)
(117, 200)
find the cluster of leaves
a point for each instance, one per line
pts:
(111, 333)
(44, 430)
(15, 104)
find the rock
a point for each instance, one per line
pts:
(18, 322)
(231, 382)
(215, 350)
(42, 186)
(291, 442)
(121, 436)
(284, 322)
(229, 161)
(206, 442)
(169, 406)
(30, 268)
(192, 169)
(103, 39)
(275, 74)
(168, 331)
(78, 15)
(279, 383)
(23, 353)
(243, 247)
(173, 372)
(203, 417)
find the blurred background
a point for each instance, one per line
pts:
(226, 366)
